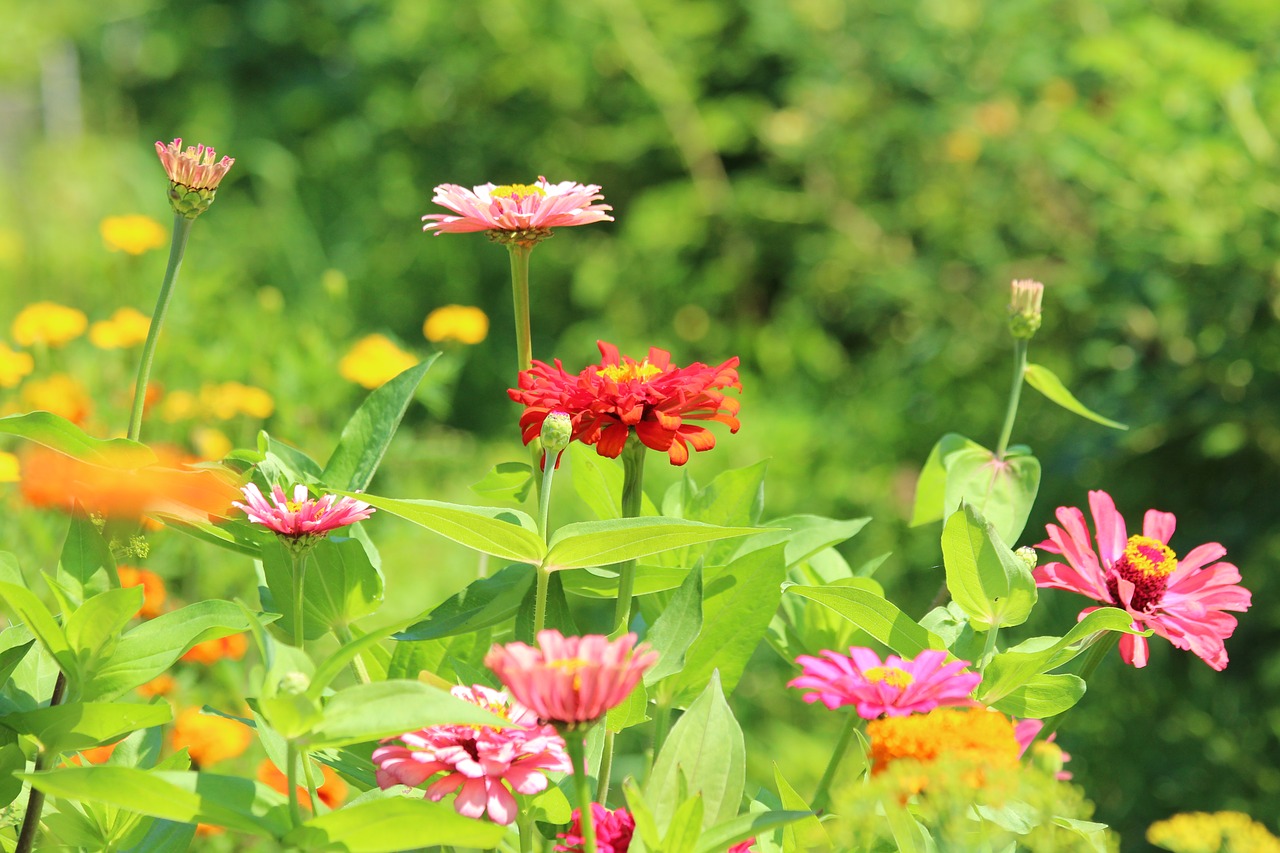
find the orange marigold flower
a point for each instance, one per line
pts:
(463, 323)
(653, 398)
(332, 790)
(48, 323)
(983, 738)
(208, 738)
(127, 328)
(60, 394)
(153, 592)
(161, 685)
(373, 361)
(209, 652)
(133, 234)
(13, 366)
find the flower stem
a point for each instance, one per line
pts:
(988, 650)
(661, 725)
(822, 796)
(343, 633)
(35, 800)
(181, 230)
(606, 770)
(1097, 653)
(1015, 393)
(632, 495)
(299, 575)
(576, 745)
(544, 574)
(524, 822)
(520, 296)
(540, 600)
(291, 772)
(309, 773)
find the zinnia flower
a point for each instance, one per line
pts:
(571, 681)
(194, 176)
(613, 831)
(301, 518)
(479, 762)
(208, 737)
(133, 234)
(465, 324)
(1181, 600)
(374, 361)
(519, 213)
(892, 687)
(985, 738)
(653, 398)
(48, 323)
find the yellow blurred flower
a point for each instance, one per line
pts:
(60, 394)
(374, 360)
(208, 739)
(210, 443)
(1220, 832)
(48, 323)
(13, 366)
(10, 470)
(463, 323)
(134, 234)
(228, 399)
(126, 328)
(179, 406)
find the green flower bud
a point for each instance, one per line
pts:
(294, 683)
(1027, 554)
(1024, 308)
(557, 431)
(1047, 757)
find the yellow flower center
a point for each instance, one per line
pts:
(1147, 557)
(642, 372)
(517, 191)
(889, 675)
(573, 666)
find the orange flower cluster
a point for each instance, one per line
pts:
(332, 790)
(210, 652)
(207, 738)
(153, 592)
(975, 737)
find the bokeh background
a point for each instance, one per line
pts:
(837, 192)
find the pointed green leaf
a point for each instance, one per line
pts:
(85, 566)
(809, 825)
(1043, 696)
(602, 582)
(598, 481)
(22, 606)
(685, 827)
(722, 836)
(804, 535)
(368, 712)
(342, 585)
(603, 543)
(989, 581)
(65, 437)
(676, 628)
(646, 824)
(95, 627)
(393, 823)
(931, 488)
(506, 481)
(1094, 834)
(80, 725)
(876, 615)
(1047, 383)
(1002, 490)
(234, 536)
(506, 533)
(11, 657)
(484, 602)
(327, 671)
(632, 711)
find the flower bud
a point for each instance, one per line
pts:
(557, 430)
(294, 683)
(1024, 308)
(1047, 757)
(1027, 554)
(194, 175)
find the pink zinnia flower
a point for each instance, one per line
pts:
(301, 517)
(893, 687)
(1025, 732)
(479, 762)
(571, 681)
(527, 212)
(607, 401)
(1181, 600)
(613, 831)
(197, 168)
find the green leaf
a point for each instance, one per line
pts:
(1043, 696)
(485, 602)
(367, 435)
(506, 481)
(95, 627)
(367, 712)
(80, 725)
(685, 826)
(724, 835)
(31, 681)
(183, 796)
(22, 606)
(346, 653)
(65, 437)
(706, 747)
(603, 543)
(602, 582)
(506, 533)
(280, 462)
(646, 824)
(676, 628)
(989, 581)
(735, 498)
(804, 535)
(876, 615)
(86, 565)
(1047, 383)
(632, 711)
(793, 801)
(235, 536)
(393, 823)
(163, 836)
(342, 584)
(598, 481)
(930, 504)
(1003, 491)
(1094, 834)
(11, 657)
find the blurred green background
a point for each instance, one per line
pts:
(837, 192)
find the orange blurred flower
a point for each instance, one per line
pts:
(94, 755)
(373, 361)
(13, 366)
(48, 323)
(209, 652)
(153, 592)
(127, 328)
(60, 394)
(332, 790)
(208, 738)
(161, 685)
(977, 737)
(133, 234)
(463, 323)
(206, 829)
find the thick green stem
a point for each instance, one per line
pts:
(661, 725)
(520, 296)
(343, 633)
(181, 230)
(309, 773)
(576, 745)
(606, 770)
(35, 800)
(632, 494)
(544, 575)
(1015, 393)
(1097, 653)
(524, 822)
(299, 620)
(822, 796)
(291, 780)
(540, 600)
(989, 649)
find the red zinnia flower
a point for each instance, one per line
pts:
(656, 399)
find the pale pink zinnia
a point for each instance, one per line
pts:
(571, 681)
(1181, 600)
(893, 687)
(301, 517)
(479, 762)
(530, 208)
(197, 168)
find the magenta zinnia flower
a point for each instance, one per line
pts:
(613, 831)
(892, 687)
(301, 517)
(1181, 600)
(479, 762)
(525, 213)
(571, 681)
(197, 168)
(656, 399)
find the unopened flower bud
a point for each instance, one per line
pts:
(1024, 308)
(294, 683)
(1047, 757)
(557, 430)
(1027, 554)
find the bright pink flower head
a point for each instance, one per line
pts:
(893, 687)
(478, 762)
(613, 831)
(571, 681)
(1025, 732)
(197, 168)
(1183, 601)
(523, 213)
(656, 399)
(301, 517)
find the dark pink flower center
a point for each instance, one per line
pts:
(1146, 563)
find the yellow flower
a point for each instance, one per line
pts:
(229, 399)
(373, 361)
(59, 394)
(211, 443)
(133, 234)
(179, 406)
(462, 323)
(10, 471)
(14, 366)
(126, 328)
(48, 323)
(1220, 832)
(208, 739)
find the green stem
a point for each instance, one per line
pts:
(1097, 653)
(524, 822)
(520, 296)
(582, 785)
(661, 725)
(988, 650)
(1015, 392)
(181, 230)
(540, 600)
(632, 495)
(291, 774)
(822, 796)
(299, 622)
(309, 773)
(544, 575)
(343, 633)
(606, 770)
(35, 800)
